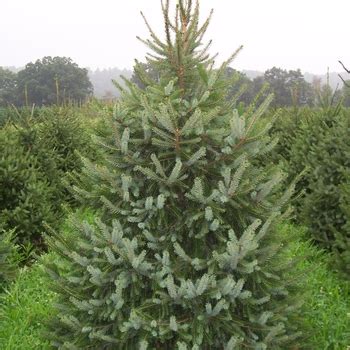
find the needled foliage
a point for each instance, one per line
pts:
(39, 153)
(61, 130)
(325, 148)
(185, 252)
(55, 138)
(319, 145)
(24, 194)
(28, 302)
(287, 129)
(342, 247)
(6, 114)
(8, 258)
(62, 134)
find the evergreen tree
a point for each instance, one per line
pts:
(61, 136)
(54, 137)
(24, 194)
(8, 254)
(185, 253)
(342, 242)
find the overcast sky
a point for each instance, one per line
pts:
(307, 34)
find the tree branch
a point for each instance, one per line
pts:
(344, 82)
(347, 71)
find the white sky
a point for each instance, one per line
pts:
(307, 34)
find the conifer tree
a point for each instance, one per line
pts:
(24, 195)
(8, 258)
(342, 237)
(185, 253)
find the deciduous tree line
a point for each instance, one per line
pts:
(47, 81)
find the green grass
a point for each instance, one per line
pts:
(326, 312)
(28, 303)
(24, 308)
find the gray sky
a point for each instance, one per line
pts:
(307, 34)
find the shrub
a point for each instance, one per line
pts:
(186, 253)
(24, 194)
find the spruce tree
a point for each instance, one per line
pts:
(342, 237)
(185, 252)
(24, 194)
(8, 258)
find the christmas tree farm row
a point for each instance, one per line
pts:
(184, 249)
